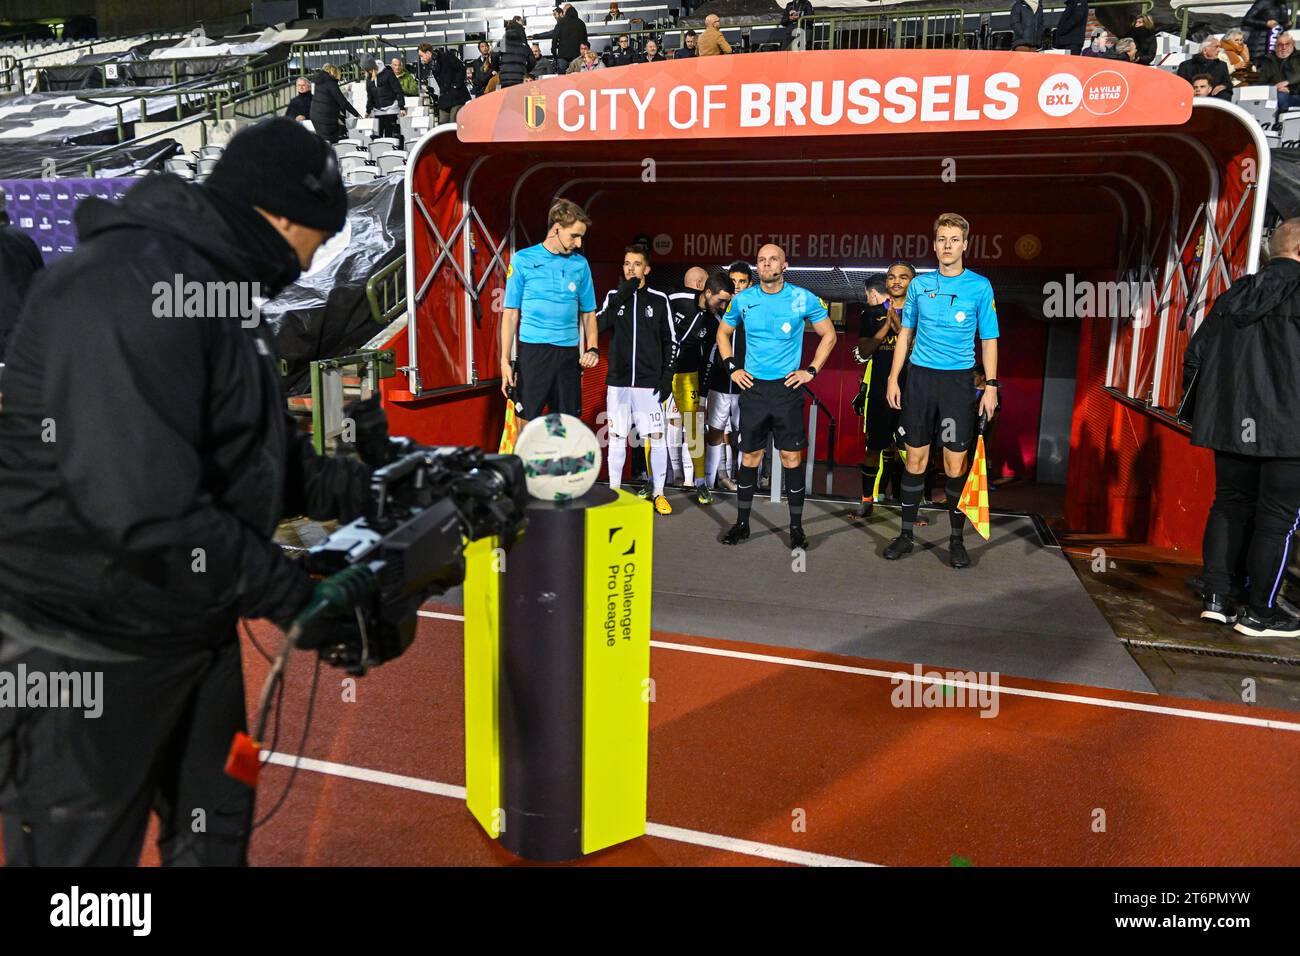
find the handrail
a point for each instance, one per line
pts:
(219, 104)
(370, 367)
(1185, 11)
(386, 291)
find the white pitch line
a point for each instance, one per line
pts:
(998, 689)
(765, 851)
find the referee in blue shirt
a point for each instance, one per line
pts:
(772, 403)
(548, 289)
(944, 310)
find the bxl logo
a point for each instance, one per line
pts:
(1060, 94)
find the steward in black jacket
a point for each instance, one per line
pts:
(1242, 372)
(384, 90)
(146, 458)
(568, 35)
(641, 349)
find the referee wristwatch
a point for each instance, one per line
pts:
(811, 370)
(994, 382)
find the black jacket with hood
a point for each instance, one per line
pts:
(1027, 24)
(1242, 367)
(384, 90)
(327, 106)
(641, 349)
(146, 457)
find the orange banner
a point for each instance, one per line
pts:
(830, 93)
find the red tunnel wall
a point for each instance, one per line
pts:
(1132, 476)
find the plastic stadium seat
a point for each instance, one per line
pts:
(353, 162)
(390, 161)
(205, 166)
(357, 176)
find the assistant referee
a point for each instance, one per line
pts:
(772, 403)
(945, 310)
(548, 289)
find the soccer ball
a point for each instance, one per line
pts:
(561, 457)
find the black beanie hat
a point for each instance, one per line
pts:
(286, 169)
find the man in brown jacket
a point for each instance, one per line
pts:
(712, 42)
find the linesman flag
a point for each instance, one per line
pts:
(974, 500)
(510, 434)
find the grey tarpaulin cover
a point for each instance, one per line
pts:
(326, 313)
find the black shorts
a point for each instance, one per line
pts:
(939, 400)
(771, 408)
(548, 376)
(880, 423)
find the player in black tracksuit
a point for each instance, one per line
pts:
(639, 377)
(696, 329)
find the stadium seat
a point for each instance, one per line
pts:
(390, 161)
(179, 166)
(205, 166)
(356, 176)
(353, 162)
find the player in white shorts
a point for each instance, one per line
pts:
(639, 376)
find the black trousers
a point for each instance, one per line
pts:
(390, 126)
(77, 790)
(1249, 531)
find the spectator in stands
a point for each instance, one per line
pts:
(1237, 54)
(20, 260)
(1281, 70)
(712, 42)
(794, 10)
(424, 68)
(1026, 26)
(622, 54)
(453, 92)
(469, 81)
(576, 64)
(407, 81)
(328, 104)
(1143, 33)
(300, 105)
(537, 51)
(1208, 62)
(1263, 17)
(515, 60)
(688, 50)
(1241, 370)
(484, 67)
(1071, 26)
(1099, 43)
(1201, 85)
(385, 100)
(652, 54)
(1125, 49)
(614, 13)
(569, 34)
(588, 62)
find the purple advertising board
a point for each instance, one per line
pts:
(43, 208)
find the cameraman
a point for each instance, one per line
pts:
(145, 460)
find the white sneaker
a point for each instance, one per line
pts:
(726, 484)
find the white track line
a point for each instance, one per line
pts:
(997, 689)
(765, 851)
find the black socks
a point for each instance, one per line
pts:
(913, 486)
(954, 487)
(794, 491)
(746, 481)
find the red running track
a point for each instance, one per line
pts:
(747, 749)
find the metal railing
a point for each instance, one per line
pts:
(1184, 14)
(335, 380)
(239, 92)
(386, 291)
(938, 28)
